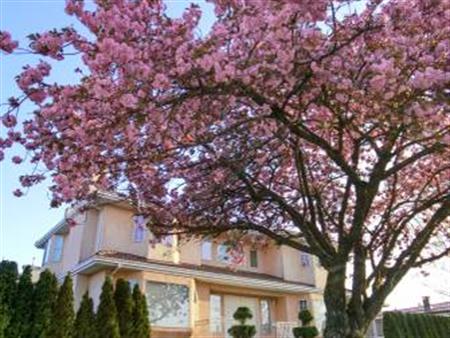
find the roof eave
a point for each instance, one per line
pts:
(207, 276)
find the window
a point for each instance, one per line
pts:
(168, 304)
(222, 253)
(303, 304)
(253, 258)
(167, 241)
(56, 248)
(46, 253)
(266, 320)
(133, 283)
(139, 232)
(305, 259)
(207, 251)
(215, 313)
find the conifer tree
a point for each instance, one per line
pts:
(44, 300)
(19, 325)
(85, 320)
(106, 320)
(61, 325)
(8, 288)
(124, 306)
(141, 324)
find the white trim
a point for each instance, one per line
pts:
(207, 276)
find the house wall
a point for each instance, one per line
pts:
(89, 234)
(94, 286)
(293, 269)
(116, 229)
(73, 242)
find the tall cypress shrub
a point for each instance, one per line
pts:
(8, 289)
(106, 320)
(63, 315)
(44, 300)
(124, 306)
(20, 323)
(141, 323)
(85, 325)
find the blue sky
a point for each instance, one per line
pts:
(24, 220)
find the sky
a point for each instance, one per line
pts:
(24, 220)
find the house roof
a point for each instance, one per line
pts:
(219, 275)
(443, 307)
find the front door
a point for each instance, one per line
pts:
(232, 303)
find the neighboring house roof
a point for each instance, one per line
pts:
(436, 308)
(224, 276)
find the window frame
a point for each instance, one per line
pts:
(225, 259)
(138, 233)
(207, 250)
(301, 307)
(221, 314)
(266, 328)
(305, 260)
(56, 248)
(187, 320)
(254, 259)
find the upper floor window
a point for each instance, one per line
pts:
(223, 253)
(46, 252)
(206, 250)
(305, 259)
(303, 304)
(57, 245)
(253, 258)
(167, 241)
(138, 234)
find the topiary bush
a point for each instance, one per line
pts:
(306, 330)
(242, 330)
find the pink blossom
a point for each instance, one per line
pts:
(18, 193)
(128, 101)
(17, 159)
(377, 83)
(50, 44)
(37, 96)
(9, 120)
(6, 44)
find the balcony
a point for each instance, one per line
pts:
(215, 329)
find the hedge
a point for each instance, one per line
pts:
(408, 325)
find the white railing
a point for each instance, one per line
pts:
(284, 329)
(275, 330)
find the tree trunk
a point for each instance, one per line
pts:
(338, 320)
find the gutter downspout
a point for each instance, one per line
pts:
(116, 269)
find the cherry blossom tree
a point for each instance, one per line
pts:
(321, 127)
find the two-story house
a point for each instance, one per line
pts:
(191, 290)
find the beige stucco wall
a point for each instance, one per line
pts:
(94, 286)
(116, 231)
(293, 269)
(89, 234)
(73, 242)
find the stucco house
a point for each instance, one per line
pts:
(190, 287)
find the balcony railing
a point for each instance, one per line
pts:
(217, 329)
